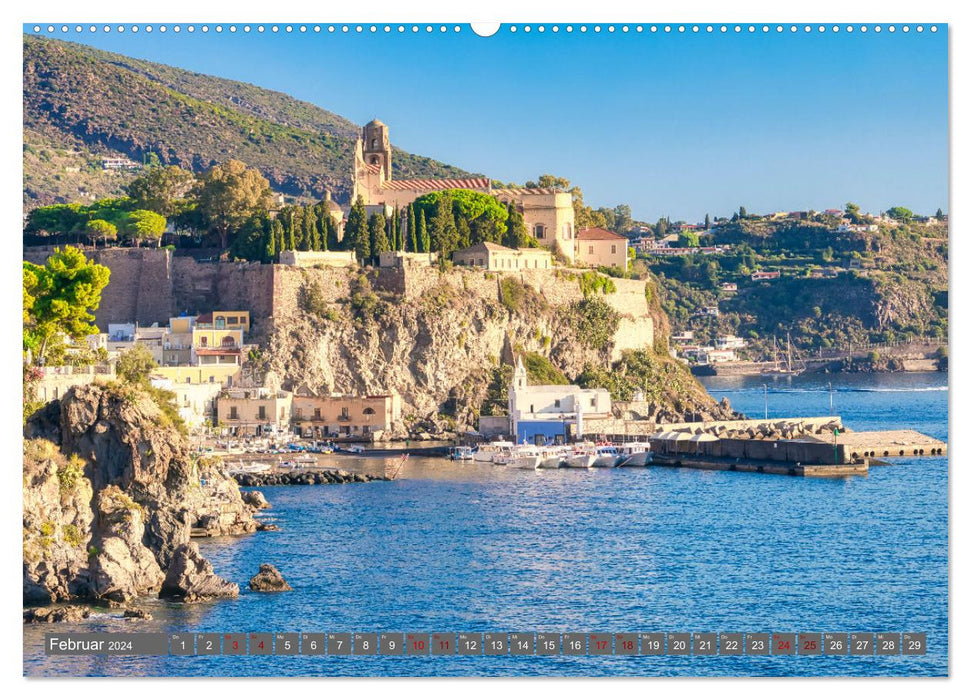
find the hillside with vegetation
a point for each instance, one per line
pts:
(840, 285)
(82, 104)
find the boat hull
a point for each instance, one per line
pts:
(581, 461)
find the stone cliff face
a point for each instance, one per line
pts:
(110, 494)
(438, 337)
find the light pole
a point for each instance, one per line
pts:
(830, 398)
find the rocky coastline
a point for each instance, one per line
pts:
(307, 477)
(111, 497)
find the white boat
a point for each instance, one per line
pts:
(461, 453)
(248, 468)
(607, 456)
(488, 451)
(354, 449)
(522, 457)
(635, 454)
(582, 457)
(553, 458)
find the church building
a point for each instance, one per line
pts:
(547, 211)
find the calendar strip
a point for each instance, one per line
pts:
(491, 644)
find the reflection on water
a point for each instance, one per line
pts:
(463, 546)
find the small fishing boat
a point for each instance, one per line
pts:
(248, 468)
(488, 451)
(553, 458)
(523, 457)
(607, 456)
(582, 457)
(635, 454)
(353, 449)
(461, 453)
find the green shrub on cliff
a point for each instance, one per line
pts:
(594, 320)
(540, 370)
(518, 297)
(660, 378)
(593, 282)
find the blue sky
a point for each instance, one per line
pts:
(674, 124)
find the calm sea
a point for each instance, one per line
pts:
(474, 548)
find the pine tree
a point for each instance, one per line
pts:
(412, 228)
(356, 234)
(378, 227)
(424, 241)
(707, 222)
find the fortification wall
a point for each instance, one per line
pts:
(149, 285)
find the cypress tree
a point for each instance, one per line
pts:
(309, 229)
(443, 232)
(326, 222)
(378, 227)
(356, 234)
(269, 242)
(278, 238)
(291, 229)
(516, 235)
(412, 228)
(424, 241)
(464, 232)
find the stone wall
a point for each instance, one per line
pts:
(149, 285)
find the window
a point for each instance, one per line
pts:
(220, 322)
(316, 414)
(228, 341)
(232, 320)
(204, 341)
(374, 160)
(556, 403)
(233, 413)
(540, 231)
(567, 231)
(590, 249)
(374, 144)
(298, 413)
(262, 413)
(613, 250)
(368, 411)
(345, 413)
(212, 379)
(593, 403)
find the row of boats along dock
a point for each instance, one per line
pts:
(816, 446)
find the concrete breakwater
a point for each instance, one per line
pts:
(306, 477)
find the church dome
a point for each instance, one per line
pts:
(375, 122)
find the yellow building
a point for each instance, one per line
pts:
(598, 247)
(224, 375)
(253, 411)
(224, 320)
(498, 258)
(344, 416)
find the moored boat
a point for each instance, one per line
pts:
(461, 453)
(607, 456)
(635, 454)
(488, 451)
(582, 457)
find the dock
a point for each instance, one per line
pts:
(861, 468)
(800, 447)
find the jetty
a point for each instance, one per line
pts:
(819, 446)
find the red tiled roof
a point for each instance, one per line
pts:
(204, 318)
(469, 183)
(598, 234)
(518, 191)
(375, 168)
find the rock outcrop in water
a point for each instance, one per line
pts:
(111, 495)
(269, 580)
(190, 578)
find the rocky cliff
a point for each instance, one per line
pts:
(111, 494)
(441, 338)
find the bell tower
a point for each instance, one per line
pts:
(377, 146)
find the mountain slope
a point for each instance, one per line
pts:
(81, 104)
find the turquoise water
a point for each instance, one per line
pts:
(474, 548)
